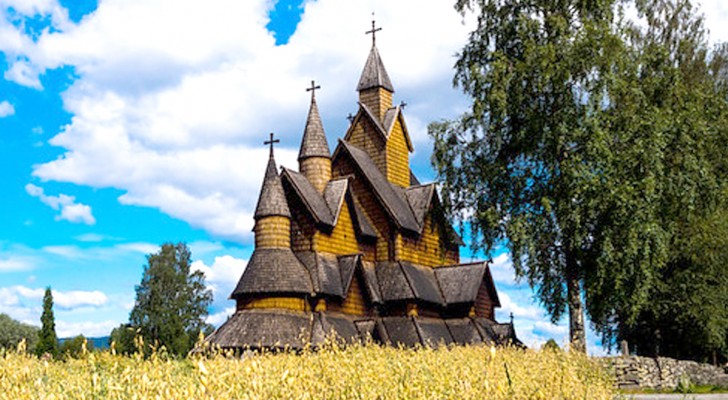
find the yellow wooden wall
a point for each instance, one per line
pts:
(273, 231)
(355, 302)
(342, 239)
(378, 100)
(302, 227)
(286, 303)
(369, 205)
(365, 136)
(429, 249)
(317, 170)
(398, 157)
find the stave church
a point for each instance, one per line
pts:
(352, 245)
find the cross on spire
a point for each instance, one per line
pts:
(350, 118)
(271, 142)
(373, 31)
(313, 88)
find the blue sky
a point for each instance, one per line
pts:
(128, 123)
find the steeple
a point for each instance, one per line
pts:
(314, 157)
(375, 89)
(272, 216)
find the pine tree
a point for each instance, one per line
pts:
(48, 341)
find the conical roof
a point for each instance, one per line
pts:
(314, 142)
(272, 200)
(374, 75)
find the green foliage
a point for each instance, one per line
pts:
(74, 347)
(12, 332)
(551, 345)
(47, 339)
(122, 338)
(593, 146)
(171, 300)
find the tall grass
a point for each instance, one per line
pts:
(357, 372)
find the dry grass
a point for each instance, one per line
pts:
(358, 372)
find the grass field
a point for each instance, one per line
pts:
(357, 372)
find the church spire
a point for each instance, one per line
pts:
(314, 157)
(375, 89)
(272, 200)
(314, 138)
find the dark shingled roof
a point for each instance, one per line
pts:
(340, 325)
(334, 194)
(419, 199)
(366, 328)
(485, 328)
(393, 283)
(423, 283)
(460, 283)
(347, 267)
(311, 198)
(264, 329)
(273, 270)
(394, 201)
(324, 271)
(413, 179)
(433, 331)
(401, 331)
(272, 200)
(371, 282)
(314, 142)
(362, 225)
(463, 331)
(374, 75)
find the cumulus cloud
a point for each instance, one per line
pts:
(6, 109)
(218, 318)
(15, 295)
(221, 277)
(172, 111)
(69, 210)
(65, 329)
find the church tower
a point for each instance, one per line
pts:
(314, 157)
(353, 245)
(375, 89)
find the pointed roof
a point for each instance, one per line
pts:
(374, 75)
(272, 200)
(314, 142)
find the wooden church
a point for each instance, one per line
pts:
(353, 245)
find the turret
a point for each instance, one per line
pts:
(272, 216)
(375, 89)
(314, 158)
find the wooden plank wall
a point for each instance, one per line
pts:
(398, 157)
(273, 231)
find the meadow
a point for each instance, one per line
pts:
(355, 372)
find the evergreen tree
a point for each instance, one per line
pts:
(47, 339)
(171, 300)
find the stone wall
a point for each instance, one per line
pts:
(635, 372)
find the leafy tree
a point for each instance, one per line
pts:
(514, 166)
(73, 347)
(591, 145)
(122, 338)
(171, 300)
(12, 332)
(47, 339)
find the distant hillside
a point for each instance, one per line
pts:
(98, 342)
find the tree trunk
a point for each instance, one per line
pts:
(577, 336)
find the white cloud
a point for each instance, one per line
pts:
(15, 295)
(172, 111)
(66, 329)
(6, 109)
(15, 263)
(70, 210)
(218, 318)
